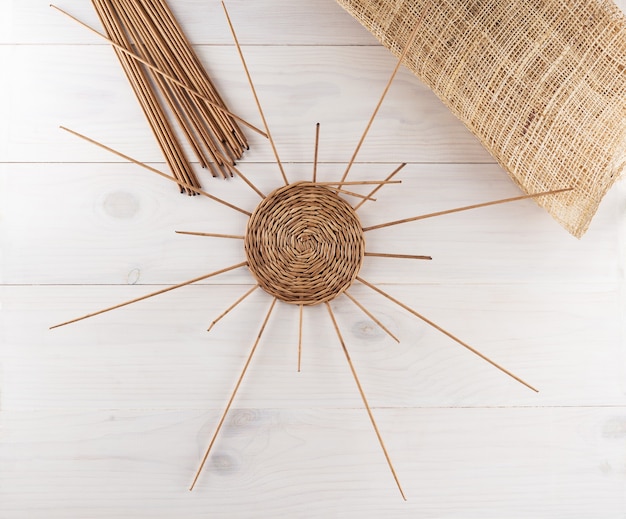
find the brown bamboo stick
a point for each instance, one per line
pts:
(209, 134)
(212, 235)
(466, 208)
(179, 52)
(256, 97)
(300, 337)
(375, 190)
(380, 183)
(364, 398)
(158, 292)
(160, 173)
(447, 333)
(371, 316)
(156, 35)
(164, 13)
(382, 97)
(232, 396)
(170, 78)
(210, 129)
(167, 24)
(147, 98)
(350, 193)
(138, 29)
(401, 256)
(143, 31)
(232, 168)
(316, 150)
(232, 307)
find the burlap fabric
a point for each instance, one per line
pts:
(541, 83)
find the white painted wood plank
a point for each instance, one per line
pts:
(565, 340)
(83, 87)
(108, 417)
(470, 463)
(116, 223)
(262, 22)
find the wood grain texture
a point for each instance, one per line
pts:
(299, 23)
(297, 85)
(110, 417)
(110, 208)
(136, 463)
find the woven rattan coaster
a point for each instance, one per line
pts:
(304, 244)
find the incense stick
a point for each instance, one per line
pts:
(171, 84)
(315, 152)
(300, 338)
(350, 193)
(158, 292)
(465, 208)
(231, 307)
(256, 98)
(232, 167)
(445, 332)
(205, 135)
(232, 396)
(164, 74)
(171, 26)
(141, 31)
(401, 256)
(380, 183)
(371, 316)
(210, 234)
(367, 406)
(169, 41)
(375, 190)
(380, 101)
(154, 170)
(146, 97)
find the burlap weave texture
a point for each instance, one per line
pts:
(541, 83)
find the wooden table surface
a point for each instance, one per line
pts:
(109, 417)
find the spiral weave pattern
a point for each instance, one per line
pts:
(304, 244)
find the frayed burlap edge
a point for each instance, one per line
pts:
(541, 83)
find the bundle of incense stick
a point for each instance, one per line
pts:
(147, 28)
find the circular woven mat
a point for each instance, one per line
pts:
(304, 244)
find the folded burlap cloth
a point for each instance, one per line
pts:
(541, 83)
